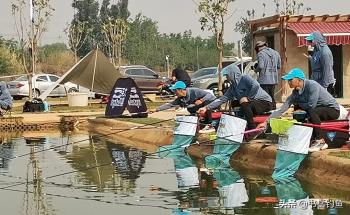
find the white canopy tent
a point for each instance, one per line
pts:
(94, 72)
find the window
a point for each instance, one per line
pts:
(53, 78)
(147, 72)
(204, 71)
(22, 78)
(42, 78)
(134, 72)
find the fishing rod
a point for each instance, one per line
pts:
(111, 163)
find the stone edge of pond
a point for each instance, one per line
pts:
(318, 168)
(115, 128)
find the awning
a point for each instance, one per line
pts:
(336, 33)
(94, 72)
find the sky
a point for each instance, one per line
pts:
(173, 16)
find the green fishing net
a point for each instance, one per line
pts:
(281, 126)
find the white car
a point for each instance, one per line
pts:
(19, 88)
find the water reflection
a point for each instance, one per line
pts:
(110, 177)
(128, 161)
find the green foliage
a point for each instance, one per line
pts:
(291, 7)
(87, 12)
(9, 63)
(242, 26)
(146, 46)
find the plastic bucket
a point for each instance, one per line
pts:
(78, 99)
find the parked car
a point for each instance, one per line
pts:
(146, 79)
(209, 79)
(19, 88)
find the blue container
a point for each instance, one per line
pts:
(300, 116)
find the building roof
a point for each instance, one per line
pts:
(336, 33)
(336, 28)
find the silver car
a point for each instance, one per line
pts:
(19, 88)
(209, 79)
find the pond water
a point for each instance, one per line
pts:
(86, 174)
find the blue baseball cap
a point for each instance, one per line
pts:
(178, 85)
(311, 37)
(294, 73)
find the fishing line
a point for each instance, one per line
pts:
(111, 163)
(79, 141)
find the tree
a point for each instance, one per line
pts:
(116, 31)
(9, 62)
(87, 12)
(290, 7)
(243, 27)
(213, 19)
(30, 32)
(77, 33)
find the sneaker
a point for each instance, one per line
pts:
(207, 129)
(181, 110)
(318, 145)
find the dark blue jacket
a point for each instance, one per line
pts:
(241, 86)
(325, 62)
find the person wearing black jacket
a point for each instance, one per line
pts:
(181, 75)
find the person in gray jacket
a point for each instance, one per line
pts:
(310, 96)
(269, 62)
(193, 99)
(245, 92)
(5, 98)
(321, 62)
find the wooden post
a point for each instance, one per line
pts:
(283, 31)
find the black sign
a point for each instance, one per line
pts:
(126, 94)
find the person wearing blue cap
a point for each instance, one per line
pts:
(269, 62)
(310, 96)
(321, 61)
(192, 98)
(244, 91)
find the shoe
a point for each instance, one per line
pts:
(181, 110)
(207, 129)
(318, 145)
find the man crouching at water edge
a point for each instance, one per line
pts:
(245, 92)
(5, 99)
(193, 99)
(311, 97)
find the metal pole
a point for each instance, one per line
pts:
(31, 77)
(93, 76)
(167, 65)
(197, 60)
(240, 54)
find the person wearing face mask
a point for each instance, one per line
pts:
(191, 98)
(244, 91)
(321, 61)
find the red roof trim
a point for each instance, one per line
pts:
(336, 33)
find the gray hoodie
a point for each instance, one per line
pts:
(269, 62)
(310, 96)
(325, 61)
(5, 96)
(241, 86)
(192, 95)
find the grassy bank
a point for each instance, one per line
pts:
(342, 154)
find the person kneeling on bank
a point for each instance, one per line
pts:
(5, 99)
(192, 99)
(244, 91)
(310, 96)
